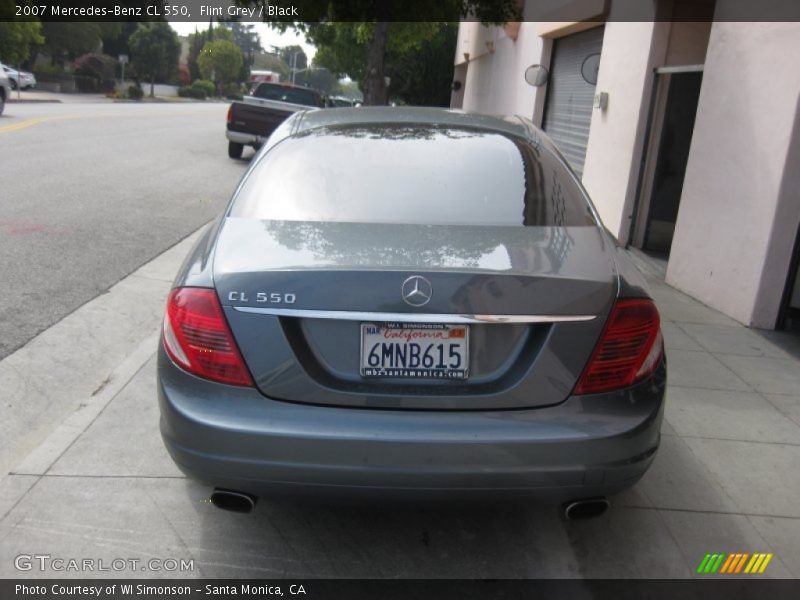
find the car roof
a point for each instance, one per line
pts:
(417, 115)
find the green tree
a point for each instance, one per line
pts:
(198, 40)
(349, 89)
(65, 41)
(154, 51)
(370, 30)
(220, 61)
(117, 36)
(319, 79)
(342, 47)
(423, 77)
(249, 42)
(295, 58)
(271, 62)
(16, 39)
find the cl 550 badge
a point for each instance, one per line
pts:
(263, 297)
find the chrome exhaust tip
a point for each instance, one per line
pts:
(586, 508)
(233, 501)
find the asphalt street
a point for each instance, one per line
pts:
(90, 192)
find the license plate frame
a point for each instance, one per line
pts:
(450, 336)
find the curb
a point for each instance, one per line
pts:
(49, 394)
(26, 101)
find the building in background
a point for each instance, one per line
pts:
(684, 127)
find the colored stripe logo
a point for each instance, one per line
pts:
(734, 563)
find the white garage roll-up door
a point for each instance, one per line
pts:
(568, 110)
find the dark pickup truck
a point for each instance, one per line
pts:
(251, 121)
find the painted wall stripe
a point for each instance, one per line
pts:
(764, 564)
(760, 560)
(753, 561)
(703, 563)
(734, 562)
(711, 563)
(741, 562)
(718, 562)
(727, 564)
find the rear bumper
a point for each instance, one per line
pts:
(247, 139)
(237, 438)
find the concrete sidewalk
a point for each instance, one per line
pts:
(24, 96)
(89, 477)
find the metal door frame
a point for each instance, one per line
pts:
(650, 152)
(786, 312)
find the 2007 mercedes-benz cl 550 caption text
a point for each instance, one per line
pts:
(410, 302)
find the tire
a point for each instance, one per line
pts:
(2, 100)
(13, 83)
(235, 150)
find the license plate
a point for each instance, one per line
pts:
(414, 350)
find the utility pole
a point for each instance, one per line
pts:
(123, 58)
(294, 65)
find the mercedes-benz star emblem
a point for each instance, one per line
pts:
(417, 291)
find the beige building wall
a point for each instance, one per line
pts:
(495, 71)
(740, 206)
(613, 154)
(687, 44)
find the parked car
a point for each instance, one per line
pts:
(341, 102)
(410, 301)
(5, 90)
(19, 79)
(251, 121)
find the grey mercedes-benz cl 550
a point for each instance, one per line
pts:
(410, 302)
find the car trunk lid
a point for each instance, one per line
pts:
(297, 292)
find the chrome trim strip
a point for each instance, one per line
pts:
(680, 69)
(353, 315)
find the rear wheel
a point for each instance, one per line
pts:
(2, 101)
(235, 150)
(13, 83)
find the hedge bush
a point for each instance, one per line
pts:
(192, 92)
(95, 72)
(204, 85)
(232, 89)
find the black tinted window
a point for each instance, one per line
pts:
(411, 174)
(285, 93)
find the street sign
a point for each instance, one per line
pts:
(123, 58)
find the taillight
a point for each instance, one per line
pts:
(230, 114)
(628, 351)
(197, 337)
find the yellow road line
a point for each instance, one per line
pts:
(31, 122)
(24, 124)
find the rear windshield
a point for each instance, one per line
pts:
(285, 93)
(412, 175)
